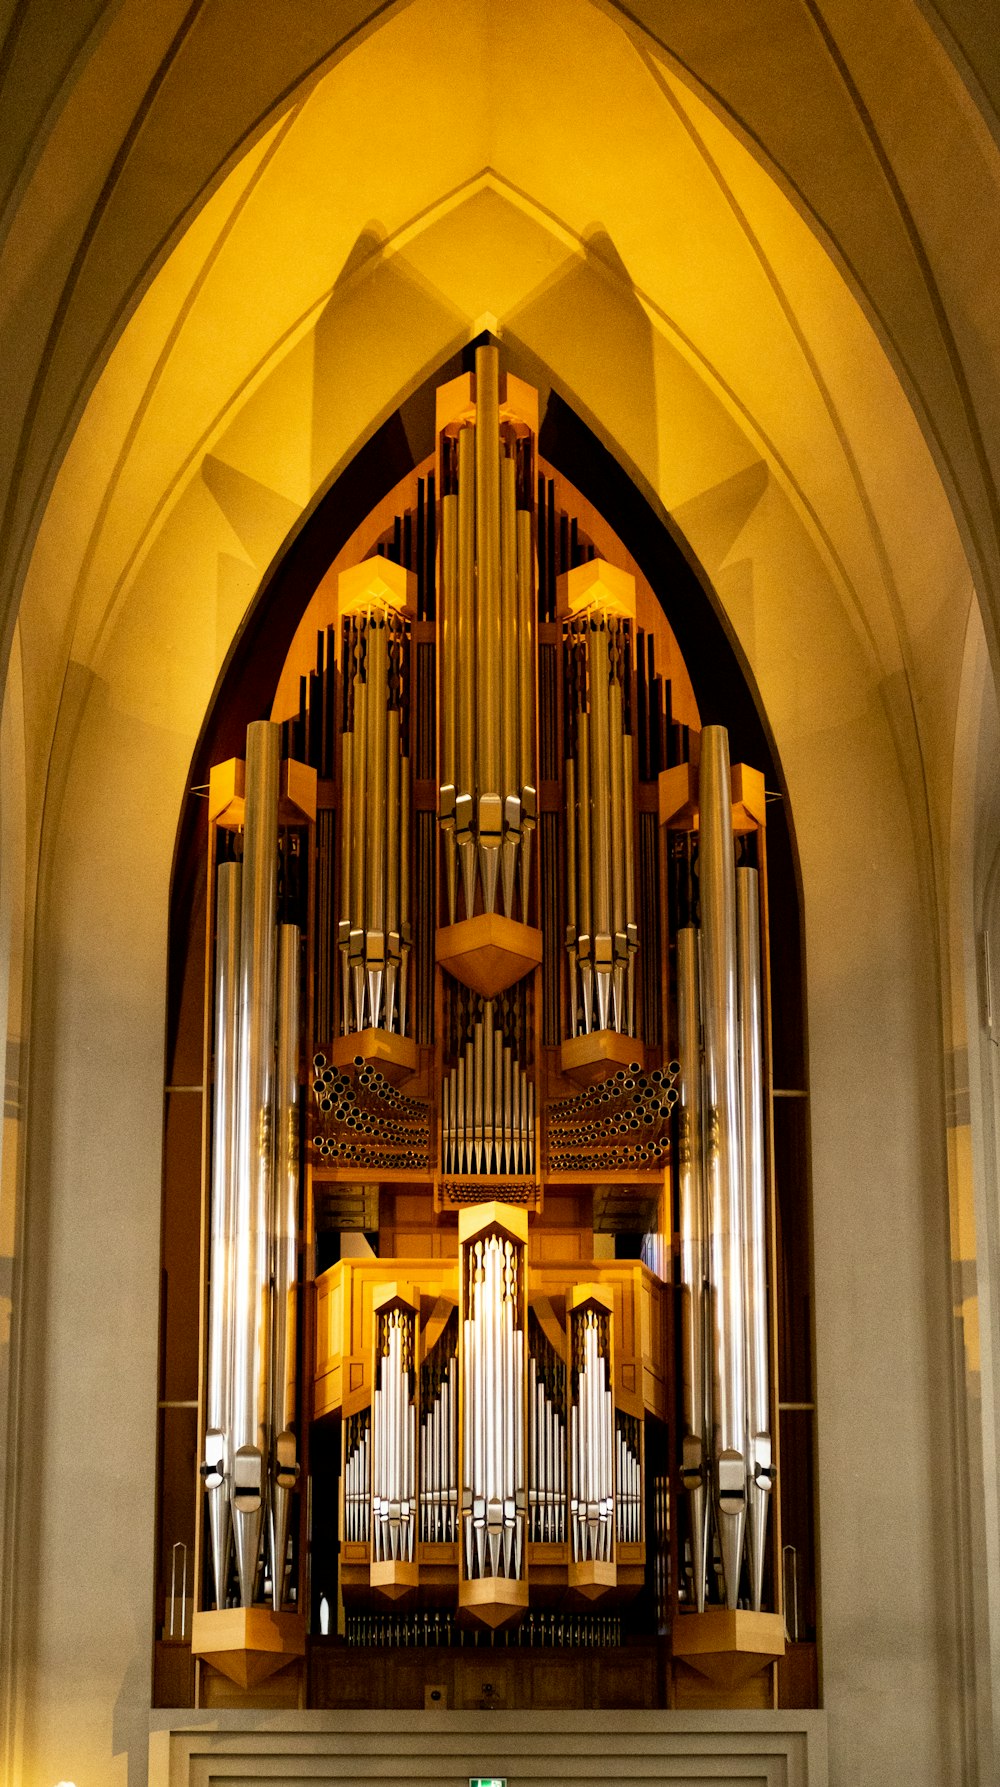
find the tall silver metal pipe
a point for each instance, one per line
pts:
(693, 1263)
(723, 1145)
(526, 694)
(374, 818)
(255, 1077)
(616, 722)
(218, 1411)
(449, 693)
(392, 933)
(510, 732)
(359, 812)
(759, 1449)
(285, 1460)
(466, 651)
(488, 622)
(488, 567)
(597, 640)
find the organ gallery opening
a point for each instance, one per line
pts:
(485, 1365)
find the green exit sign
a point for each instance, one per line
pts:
(487, 1781)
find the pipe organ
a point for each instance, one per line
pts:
(489, 1185)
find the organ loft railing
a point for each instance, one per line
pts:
(489, 1348)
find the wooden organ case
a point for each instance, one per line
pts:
(488, 1383)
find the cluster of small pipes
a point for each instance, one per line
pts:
(394, 1438)
(546, 1441)
(622, 1122)
(369, 1121)
(601, 932)
(374, 927)
(439, 1440)
(357, 1496)
(591, 1442)
(487, 1103)
(628, 1475)
(493, 1485)
(544, 1630)
(487, 801)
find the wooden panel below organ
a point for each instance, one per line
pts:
(498, 1677)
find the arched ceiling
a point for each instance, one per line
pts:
(570, 182)
(118, 118)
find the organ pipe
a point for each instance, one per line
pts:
(374, 931)
(255, 1077)
(487, 786)
(602, 934)
(218, 1409)
(285, 1227)
(758, 1443)
(592, 1436)
(439, 1441)
(695, 1387)
(493, 1372)
(487, 1124)
(723, 1132)
(394, 1437)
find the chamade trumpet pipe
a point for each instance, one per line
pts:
(487, 803)
(723, 1129)
(374, 927)
(601, 932)
(759, 1452)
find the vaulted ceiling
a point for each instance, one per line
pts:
(737, 238)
